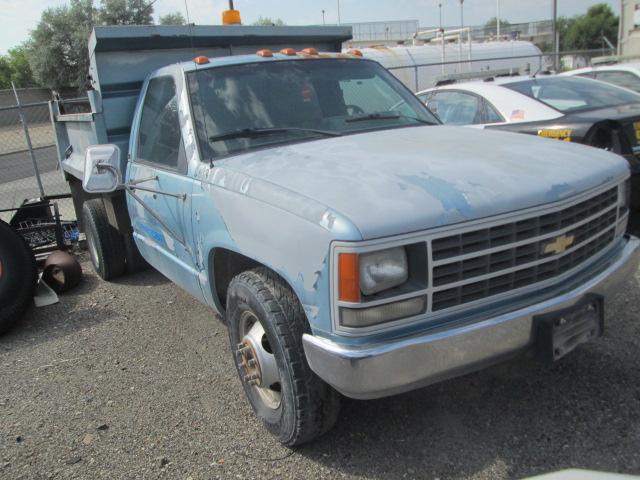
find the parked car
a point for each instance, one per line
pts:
(352, 245)
(572, 109)
(626, 75)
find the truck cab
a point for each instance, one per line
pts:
(352, 245)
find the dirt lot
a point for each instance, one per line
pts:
(134, 379)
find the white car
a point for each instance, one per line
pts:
(488, 102)
(572, 109)
(625, 75)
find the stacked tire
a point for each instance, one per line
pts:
(18, 276)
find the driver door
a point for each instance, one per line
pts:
(160, 209)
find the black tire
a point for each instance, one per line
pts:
(105, 244)
(308, 406)
(135, 262)
(18, 276)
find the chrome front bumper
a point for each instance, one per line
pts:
(401, 365)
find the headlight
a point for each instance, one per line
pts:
(624, 194)
(383, 270)
(373, 286)
(366, 317)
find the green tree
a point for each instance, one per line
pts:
(175, 18)
(5, 73)
(57, 48)
(584, 32)
(493, 22)
(266, 21)
(21, 73)
(126, 12)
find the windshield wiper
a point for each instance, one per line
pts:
(386, 116)
(257, 132)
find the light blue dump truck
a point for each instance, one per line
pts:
(351, 245)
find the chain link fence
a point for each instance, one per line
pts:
(28, 159)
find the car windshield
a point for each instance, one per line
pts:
(243, 107)
(573, 94)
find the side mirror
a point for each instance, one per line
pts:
(101, 169)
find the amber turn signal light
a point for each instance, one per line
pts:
(348, 277)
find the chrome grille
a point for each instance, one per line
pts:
(473, 265)
(482, 239)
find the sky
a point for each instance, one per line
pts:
(17, 17)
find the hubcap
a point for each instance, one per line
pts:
(256, 361)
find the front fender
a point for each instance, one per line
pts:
(290, 244)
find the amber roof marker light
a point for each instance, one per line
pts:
(288, 51)
(265, 52)
(310, 51)
(355, 52)
(201, 60)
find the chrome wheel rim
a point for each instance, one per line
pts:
(92, 249)
(256, 362)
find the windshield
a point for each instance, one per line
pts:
(573, 94)
(243, 107)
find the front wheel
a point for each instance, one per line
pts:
(266, 323)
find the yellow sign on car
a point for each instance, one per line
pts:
(560, 134)
(636, 127)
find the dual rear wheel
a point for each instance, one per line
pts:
(112, 253)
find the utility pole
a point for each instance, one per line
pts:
(461, 14)
(498, 19)
(440, 11)
(338, 12)
(554, 28)
(323, 18)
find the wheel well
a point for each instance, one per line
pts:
(595, 134)
(223, 266)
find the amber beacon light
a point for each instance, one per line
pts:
(231, 16)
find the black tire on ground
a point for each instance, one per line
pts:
(18, 276)
(105, 243)
(307, 406)
(135, 261)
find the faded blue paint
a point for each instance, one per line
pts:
(451, 197)
(559, 191)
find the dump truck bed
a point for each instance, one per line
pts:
(123, 56)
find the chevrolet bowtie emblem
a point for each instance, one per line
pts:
(559, 244)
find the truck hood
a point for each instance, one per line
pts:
(402, 180)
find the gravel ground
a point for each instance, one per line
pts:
(133, 379)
